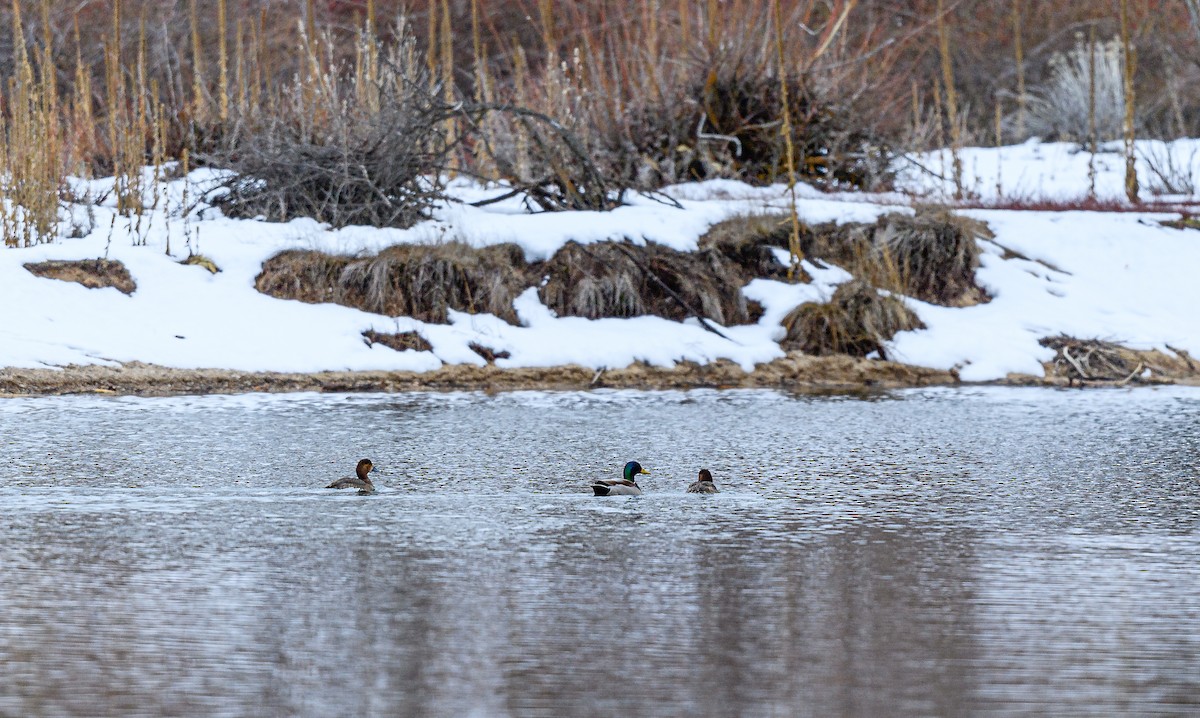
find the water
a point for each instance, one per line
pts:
(931, 552)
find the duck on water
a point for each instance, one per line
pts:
(626, 486)
(704, 484)
(360, 480)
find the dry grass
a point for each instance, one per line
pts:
(857, 321)
(747, 240)
(611, 279)
(400, 341)
(419, 281)
(91, 273)
(199, 260)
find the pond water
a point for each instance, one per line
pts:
(979, 551)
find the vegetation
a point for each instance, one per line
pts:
(91, 273)
(858, 320)
(355, 113)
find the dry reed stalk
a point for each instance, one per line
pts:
(83, 122)
(951, 99)
(239, 68)
(1019, 52)
(222, 61)
(794, 251)
(1128, 61)
(1092, 140)
(199, 106)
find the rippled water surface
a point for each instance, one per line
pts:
(933, 552)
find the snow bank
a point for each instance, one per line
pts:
(1113, 276)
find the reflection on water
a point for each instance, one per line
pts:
(933, 552)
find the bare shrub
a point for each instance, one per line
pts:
(347, 146)
(611, 279)
(858, 320)
(419, 281)
(91, 273)
(1059, 109)
(1170, 173)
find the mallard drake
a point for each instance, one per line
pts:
(704, 484)
(621, 487)
(359, 481)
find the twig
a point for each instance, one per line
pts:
(1067, 354)
(1134, 373)
(682, 302)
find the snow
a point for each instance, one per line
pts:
(1110, 275)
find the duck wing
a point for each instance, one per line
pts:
(349, 482)
(615, 487)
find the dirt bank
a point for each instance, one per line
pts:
(796, 372)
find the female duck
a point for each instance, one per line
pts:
(703, 485)
(360, 481)
(621, 487)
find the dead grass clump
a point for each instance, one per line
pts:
(931, 256)
(937, 254)
(747, 241)
(857, 321)
(399, 341)
(91, 273)
(302, 274)
(617, 279)
(419, 281)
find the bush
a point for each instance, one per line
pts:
(1058, 110)
(346, 148)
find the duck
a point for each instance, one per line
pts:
(704, 484)
(621, 487)
(360, 480)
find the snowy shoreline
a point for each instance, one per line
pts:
(1119, 276)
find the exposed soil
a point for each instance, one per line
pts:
(795, 372)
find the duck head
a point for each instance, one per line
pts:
(364, 467)
(632, 469)
(705, 475)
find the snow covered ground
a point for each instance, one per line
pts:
(1117, 276)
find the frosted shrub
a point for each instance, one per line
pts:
(1058, 110)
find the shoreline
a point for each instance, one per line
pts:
(796, 372)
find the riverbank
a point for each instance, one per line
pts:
(794, 372)
(499, 297)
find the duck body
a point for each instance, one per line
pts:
(361, 480)
(626, 486)
(704, 484)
